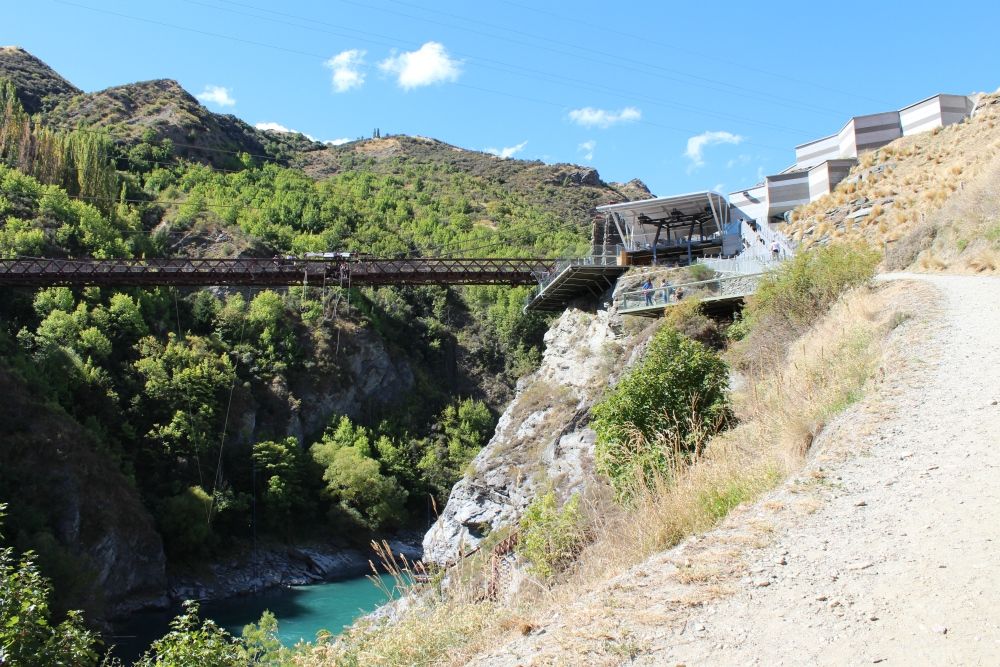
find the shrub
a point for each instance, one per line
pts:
(28, 635)
(700, 272)
(805, 287)
(551, 536)
(666, 405)
(687, 318)
(192, 641)
(184, 522)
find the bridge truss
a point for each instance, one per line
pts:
(357, 271)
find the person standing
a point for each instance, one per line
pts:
(647, 287)
(775, 250)
(665, 290)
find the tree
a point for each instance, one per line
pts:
(281, 472)
(357, 483)
(184, 382)
(28, 636)
(184, 522)
(355, 480)
(192, 641)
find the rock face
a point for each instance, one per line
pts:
(365, 374)
(542, 440)
(78, 506)
(280, 565)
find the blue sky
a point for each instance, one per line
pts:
(685, 96)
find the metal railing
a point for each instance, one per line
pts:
(665, 295)
(608, 257)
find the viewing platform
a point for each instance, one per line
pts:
(717, 296)
(574, 278)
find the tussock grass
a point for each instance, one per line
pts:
(963, 236)
(434, 633)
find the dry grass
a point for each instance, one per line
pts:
(963, 236)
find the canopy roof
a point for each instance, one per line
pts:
(696, 214)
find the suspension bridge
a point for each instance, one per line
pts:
(665, 231)
(278, 271)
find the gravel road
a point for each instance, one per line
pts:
(902, 565)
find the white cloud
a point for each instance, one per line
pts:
(338, 142)
(273, 127)
(697, 144)
(509, 151)
(427, 65)
(217, 95)
(719, 187)
(278, 127)
(347, 73)
(591, 117)
(587, 148)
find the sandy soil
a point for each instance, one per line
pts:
(885, 549)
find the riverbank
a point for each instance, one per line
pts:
(269, 566)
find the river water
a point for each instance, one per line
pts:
(302, 611)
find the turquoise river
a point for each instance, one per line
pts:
(302, 611)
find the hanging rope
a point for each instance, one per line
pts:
(190, 414)
(225, 425)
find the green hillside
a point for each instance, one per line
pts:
(354, 406)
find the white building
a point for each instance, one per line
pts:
(823, 163)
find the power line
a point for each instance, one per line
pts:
(546, 40)
(666, 45)
(687, 131)
(311, 23)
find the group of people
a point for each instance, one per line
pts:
(664, 294)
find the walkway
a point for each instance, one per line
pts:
(720, 293)
(900, 565)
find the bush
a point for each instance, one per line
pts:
(699, 272)
(551, 536)
(667, 405)
(28, 635)
(184, 522)
(687, 318)
(192, 641)
(805, 287)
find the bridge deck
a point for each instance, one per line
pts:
(40, 272)
(569, 280)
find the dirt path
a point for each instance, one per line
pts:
(886, 549)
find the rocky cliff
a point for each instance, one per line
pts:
(542, 440)
(95, 538)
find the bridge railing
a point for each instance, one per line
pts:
(603, 256)
(660, 296)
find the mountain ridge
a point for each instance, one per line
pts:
(161, 109)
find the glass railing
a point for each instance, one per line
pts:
(665, 295)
